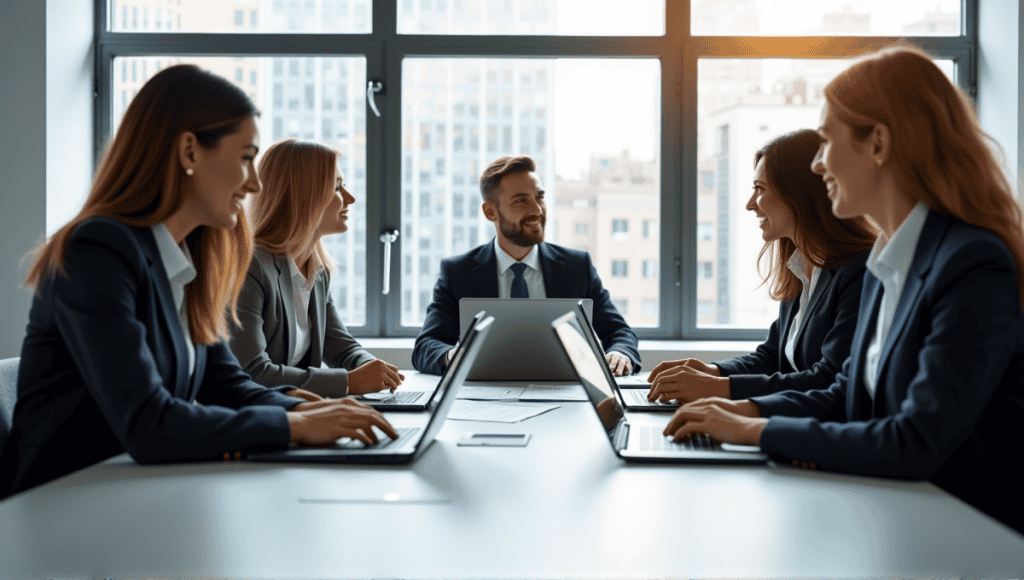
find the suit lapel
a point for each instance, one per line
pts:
(284, 289)
(485, 273)
(927, 244)
(824, 281)
(858, 400)
(553, 269)
(787, 315)
(197, 373)
(318, 320)
(166, 299)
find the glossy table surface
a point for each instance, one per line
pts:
(563, 506)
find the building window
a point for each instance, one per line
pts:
(239, 18)
(707, 270)
(620, 268)
(649, 307)
(622, 305)
(648, 229)
(581, 229)
(620, 230)
(650, 269)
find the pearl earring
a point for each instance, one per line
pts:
(189, 171)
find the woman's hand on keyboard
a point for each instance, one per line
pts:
(725, 421)
(326, 421)
(686, 384)
(692, 363)
(374, 376)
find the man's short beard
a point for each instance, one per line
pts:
(516, 234)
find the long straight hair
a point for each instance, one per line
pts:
(827, 241)
(298, 183)
(938, 153)
(140, 182)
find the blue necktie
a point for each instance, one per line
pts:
(518, 282)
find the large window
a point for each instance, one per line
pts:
(643, 117)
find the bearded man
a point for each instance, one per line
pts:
(518, 263)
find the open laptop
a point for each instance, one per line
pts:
(410, 400)
(521, 346)
(632, 388)
(412, 441)
(640, 443)
(633, 394)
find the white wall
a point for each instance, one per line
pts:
(1001, 79)
(46, 137)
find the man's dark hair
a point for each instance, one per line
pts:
(498, 169)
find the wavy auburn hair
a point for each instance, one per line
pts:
(938, 152)
(140, 182)
(298, 183)
(826, 241)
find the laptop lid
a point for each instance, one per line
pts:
(607, 401)
(453, 378)
(438, 408)
(596, 378)
(521, 347)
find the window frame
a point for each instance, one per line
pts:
(385, 49)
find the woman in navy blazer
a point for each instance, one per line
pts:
(124, 349)
(934, 385)
(816, 269)
(288, 322)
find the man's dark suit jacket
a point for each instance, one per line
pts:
(104, 370)
(949, 402)
(821, 347)
(567, 273)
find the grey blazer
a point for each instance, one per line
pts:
(263, 341)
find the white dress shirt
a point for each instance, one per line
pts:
(889, 262)
(797, 264)
(301, 291)
(533, 276)
(180, 271)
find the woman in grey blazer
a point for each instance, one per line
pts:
(289, 325)
(816, 270)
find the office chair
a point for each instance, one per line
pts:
(8, 394)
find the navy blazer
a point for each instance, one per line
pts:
(104, 370)
(949, 399)
(821, 345)
(567, 273)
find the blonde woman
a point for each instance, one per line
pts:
(289, 324)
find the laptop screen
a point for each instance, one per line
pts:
(594, 375)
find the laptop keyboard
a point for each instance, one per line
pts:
(401, 397)
(383, 441)
(652, 439)
(638, 397)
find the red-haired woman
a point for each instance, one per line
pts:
(127, 328)
(934, 385)
(289, 324)
(816, 270)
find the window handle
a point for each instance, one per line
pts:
(373, 87)
(388, 236)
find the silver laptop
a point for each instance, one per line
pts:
(412, 441)
(410, 400)
(521, 346)
(631, 389)
(642, 443)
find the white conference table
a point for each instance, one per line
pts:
(564, 506)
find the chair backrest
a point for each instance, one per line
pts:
(8, 394)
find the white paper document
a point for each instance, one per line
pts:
(490, 393)
(554, 393)
(495, 412)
